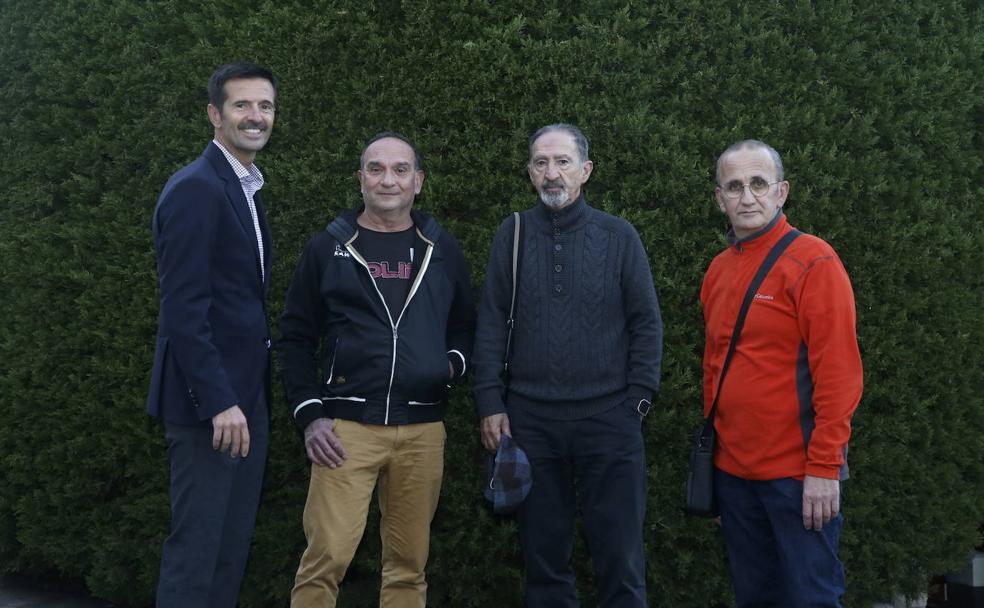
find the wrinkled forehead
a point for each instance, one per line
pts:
(554, 144)
(388, 151)
(746, 163)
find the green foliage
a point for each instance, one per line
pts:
(876, 108)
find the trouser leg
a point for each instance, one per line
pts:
(409, 488)
(813, 574)
(546, 517)
(610, 474)
(237, 533)
(335, 514)
(750, 543)
(213, 506)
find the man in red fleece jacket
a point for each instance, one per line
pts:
(784, 414)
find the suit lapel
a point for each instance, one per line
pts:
(237, 199)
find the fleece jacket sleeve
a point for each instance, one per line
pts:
(825, 302)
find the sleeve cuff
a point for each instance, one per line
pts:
(306, 412)
(206, 413)
(824, 471)
(488, 404)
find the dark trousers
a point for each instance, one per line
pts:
(774, 560)
(597, 463)
(213, 508)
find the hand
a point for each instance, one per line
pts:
(323, 446)
(230, 432)
(821, 501)
(492, 427)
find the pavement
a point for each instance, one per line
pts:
(15, 593)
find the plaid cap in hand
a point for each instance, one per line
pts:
(509, 477)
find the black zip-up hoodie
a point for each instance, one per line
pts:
(373, 370)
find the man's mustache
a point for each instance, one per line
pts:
(250, 124)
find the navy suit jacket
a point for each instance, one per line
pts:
(213, 340)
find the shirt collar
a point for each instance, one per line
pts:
(252, 174)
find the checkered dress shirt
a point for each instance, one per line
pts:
(251, 180)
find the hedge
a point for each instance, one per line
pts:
(876, 108)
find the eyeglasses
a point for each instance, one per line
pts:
(758, 187)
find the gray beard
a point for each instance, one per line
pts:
(555, 200)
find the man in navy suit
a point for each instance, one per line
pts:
(211, 376)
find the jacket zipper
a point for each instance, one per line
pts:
(393, 326)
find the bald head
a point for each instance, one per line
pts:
(418, 162)
(750, 144)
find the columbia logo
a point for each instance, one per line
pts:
(762, 296)
(341, 253)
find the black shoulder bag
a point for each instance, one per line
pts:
(700, 476)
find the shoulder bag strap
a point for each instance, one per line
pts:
(511, 322)
(763, 271)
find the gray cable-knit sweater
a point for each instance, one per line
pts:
(588, 330)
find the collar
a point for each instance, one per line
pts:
(766, 237)
(244, 174)
(567, 219)
(345, 225)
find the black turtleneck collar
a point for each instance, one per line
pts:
(566, 219)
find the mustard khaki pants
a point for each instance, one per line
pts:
(408, 464)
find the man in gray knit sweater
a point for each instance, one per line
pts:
(584, 365)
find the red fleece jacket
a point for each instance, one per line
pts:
(795, 378)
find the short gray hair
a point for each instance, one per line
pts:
(754, 144)
(579, 139)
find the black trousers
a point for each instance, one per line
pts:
(597, 464)
(214, 499)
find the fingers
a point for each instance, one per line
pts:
(234, 435)
(492, 427)
(490, 433)
(817, 516)
(486, 440)
(821, 501)
(321, 452)
(230, 431)
(336, 446)
(323, 446)
(490, 443)
(318, 456)
(816, 512)
(244, 441)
